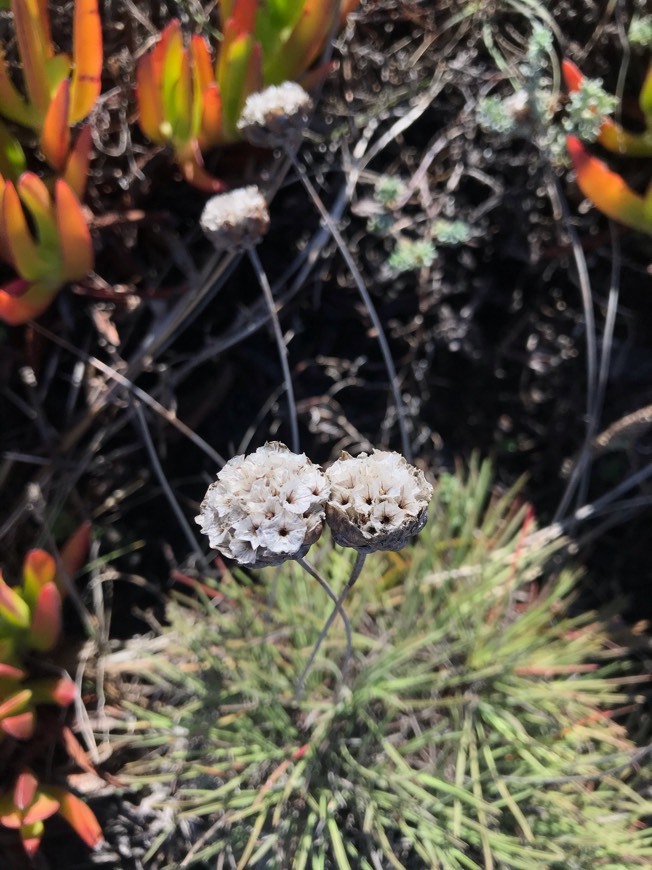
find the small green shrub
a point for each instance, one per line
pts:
(476, 729)
(411, 254)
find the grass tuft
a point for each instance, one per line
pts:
(478, 727)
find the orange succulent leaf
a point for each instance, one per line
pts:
(645, 97)
(206, 102)
(38, 571)
(86, 79)
(617, 140)
(304, 43)
(16, 703)
(10, 815)
(61, 691)
(192, 167)
(607, 190)
(31, 837)
(55, 135)
(12, 156)
(175, 84)
(75, 237)
(253, 80)
(57, 69)
(33, 191)
(35, 49)
(9, 671)
(573, 76)
(13, 609)
(44, 23)
(243, 15)
(20, 727)
(238, 75)
(78, 815)
(211, 118)
(37, 255)
(31, 260)
(45, 629)
(201, 60)
(15, 310)
(75, 173)
(41, 808)
(74, 552)
(35, 197)
(182, 95)
(150, 111)
(12, 104)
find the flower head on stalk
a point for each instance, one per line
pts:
(275, 117)
(377, 501)
(235, 220)
(266, 507)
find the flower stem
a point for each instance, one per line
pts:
(355, 573)
(358, 280)
(282, 349)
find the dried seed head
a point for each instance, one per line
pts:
(235, 220)
(377, 502)
(266, 507)
(276, 116)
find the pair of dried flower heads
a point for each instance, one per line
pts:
(273, 118)
(271, 505)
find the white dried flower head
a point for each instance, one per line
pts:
(266, 507)
(276, 116)
(235, 220)
(377, 502)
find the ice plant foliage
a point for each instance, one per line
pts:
(44, 235)
(191, 101)
(377, 501)
(606, 189)
(291, 35)
(180, 103)
(57, 248)
(265, 508)
(30, 621)
(30, 614)
(610, 134)
(29, 804)
(60, 89)
(236, 220)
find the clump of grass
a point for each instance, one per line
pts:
(476, 730)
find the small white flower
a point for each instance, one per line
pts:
(266, 507)
(276, 116)
(235, 220)
(377, 502)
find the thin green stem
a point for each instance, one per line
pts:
(338, 606)
(355, 573)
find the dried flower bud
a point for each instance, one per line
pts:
(266, 507)
(235, 220)
(276, 116)
(377, 502)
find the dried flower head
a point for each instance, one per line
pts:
(276, 116)
(266, 507)
(235, 220)
(377, 502)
